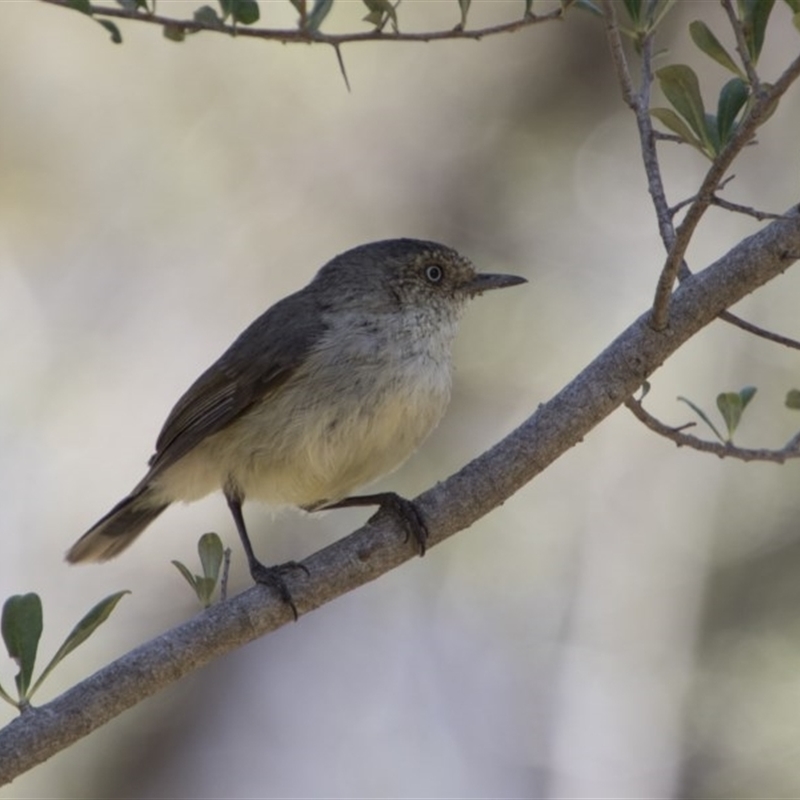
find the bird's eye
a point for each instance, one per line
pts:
(434, 273)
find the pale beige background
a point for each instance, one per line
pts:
(623, 627)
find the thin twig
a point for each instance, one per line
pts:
(300, 36)
(689, 200)
(738, 322)
(226, 569)
(759, 112)
(614, 39)
(660, 136)
(639, 102)
(740, 209)
(741, 47)
(790, 450)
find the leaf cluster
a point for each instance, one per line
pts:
(212, 554)
(688, 119)
(22, 625)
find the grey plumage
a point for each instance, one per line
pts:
(329, 389)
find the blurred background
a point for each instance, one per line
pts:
(625, 626)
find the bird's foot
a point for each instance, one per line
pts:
(274, 578)
(399, 507)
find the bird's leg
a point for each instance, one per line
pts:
(268, 576)
(408, 514)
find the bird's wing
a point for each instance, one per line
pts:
(263, 358)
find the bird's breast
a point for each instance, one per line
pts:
(362, 402)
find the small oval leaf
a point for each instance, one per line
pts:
(588, 5)
(379, 12)
(667, 117)
(732, 98)
(793, 399)
(319, 11)
(245, 11)
(703, 37)
(730, 406)
(208, 16)
(634, 9)
(84, 6)
(116, 36)
(755, 26)
(88, 624)
(703, 416)
(746, 395)
(210, 549)
(464, 6)
(190, 579)
(681, 87)
(22, 628)
(205, 590)
(175, 33)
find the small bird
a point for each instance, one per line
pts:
(331, 388)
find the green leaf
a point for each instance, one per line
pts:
(245, 11)
(794, 5)
(84, 6)
(703, 416)
(133, 5)
(746, 395)
(667, 117)
(208, 16)
(793, 399)
(713, 134)
(588, 5)
(205, 590)
(175, 33)
(190, 579)
(681, 87)
(210, 549)
(656, 12)
(703, 37)
(634, 9)
(732, 98)
(88, 624)
(116, 36)
(732, 405)
(755, 25)
(21, 626)
(464, 6)
(319, 11)
(379, 12)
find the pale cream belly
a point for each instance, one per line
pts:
(284, 456)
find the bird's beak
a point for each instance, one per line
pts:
(484, 282)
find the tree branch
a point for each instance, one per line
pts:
(790, 450)
(741, 46)
(306, 36)
(448, 507)
(639, 103)
(738, 322)
(762, 108)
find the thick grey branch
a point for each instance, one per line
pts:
(448, 507)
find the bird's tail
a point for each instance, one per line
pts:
(117, 529)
